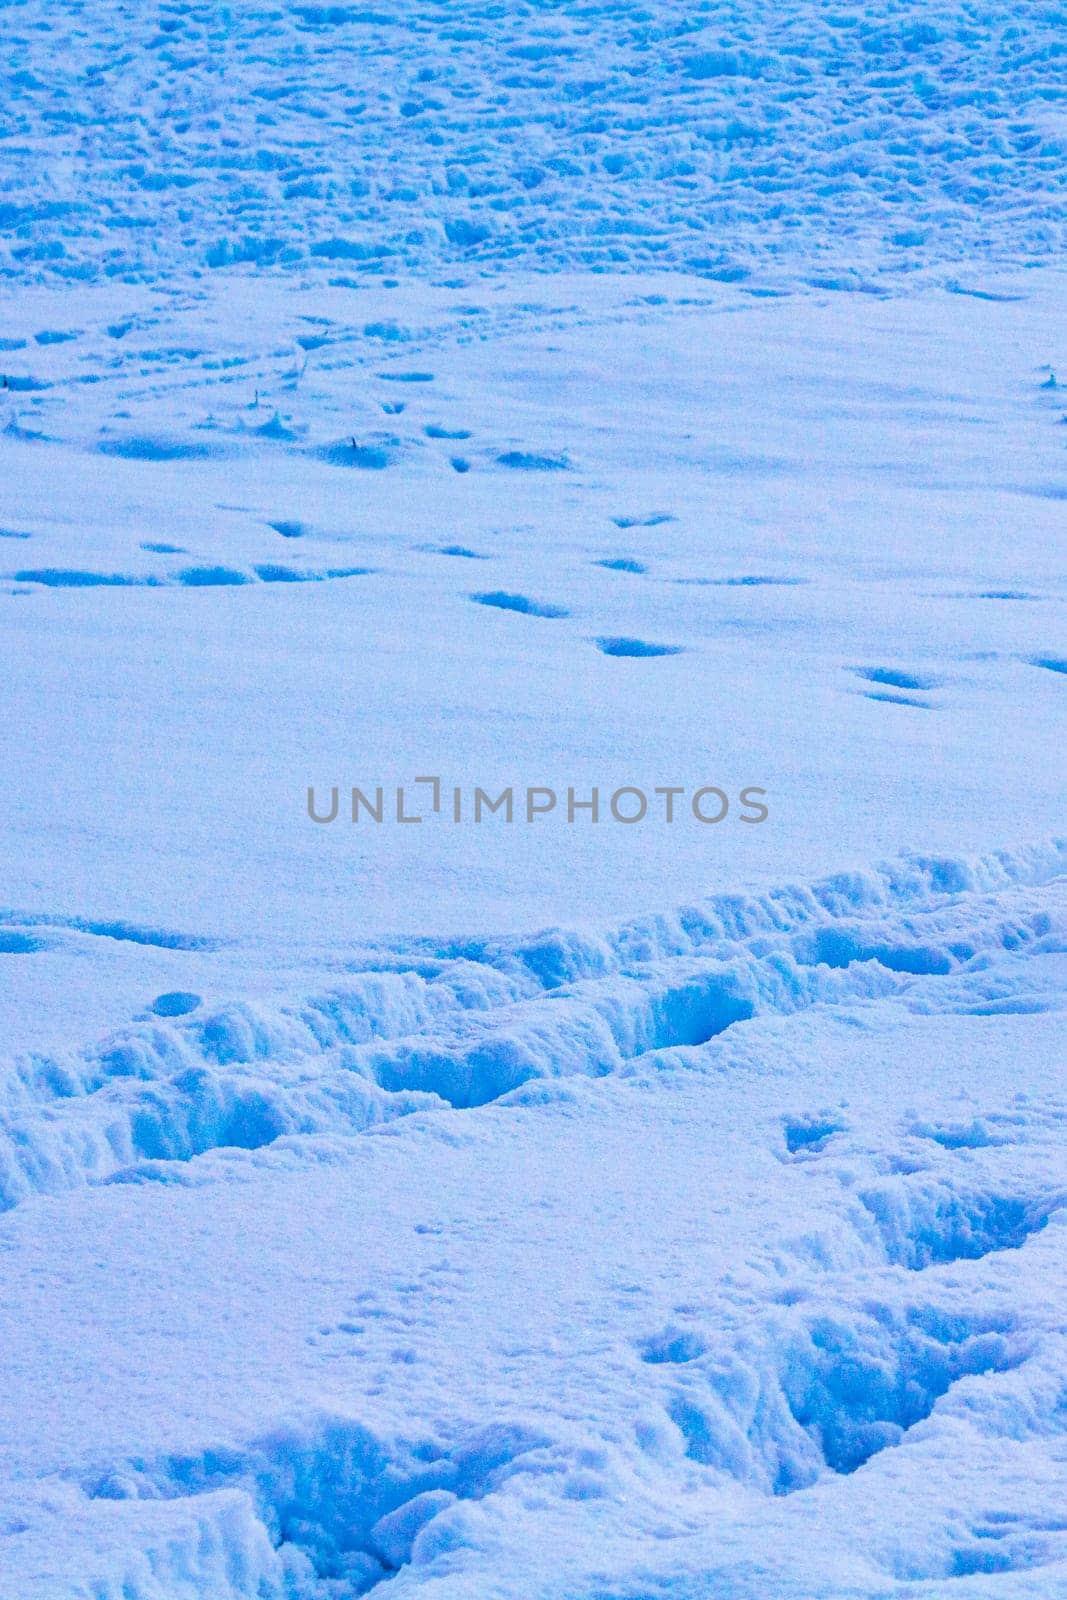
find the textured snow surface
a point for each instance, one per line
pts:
(715, 137)
(721, 1258)
(551, 398)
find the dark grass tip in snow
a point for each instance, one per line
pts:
(349, 453)
(289, 530)
(502, 601)
(619, 646)
(622, 564)
(13, 943)
(1050, 663)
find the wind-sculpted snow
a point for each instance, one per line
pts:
(721, 139)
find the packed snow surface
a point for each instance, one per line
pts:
(533, 898)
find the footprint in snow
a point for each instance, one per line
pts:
(652, 519)
(175, 1003)
(502, 601)
(527, 461)
(349, 453)
(747, 581)
(890, 682)
(893, 678)
(616, 646)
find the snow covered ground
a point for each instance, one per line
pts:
(486, 409)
